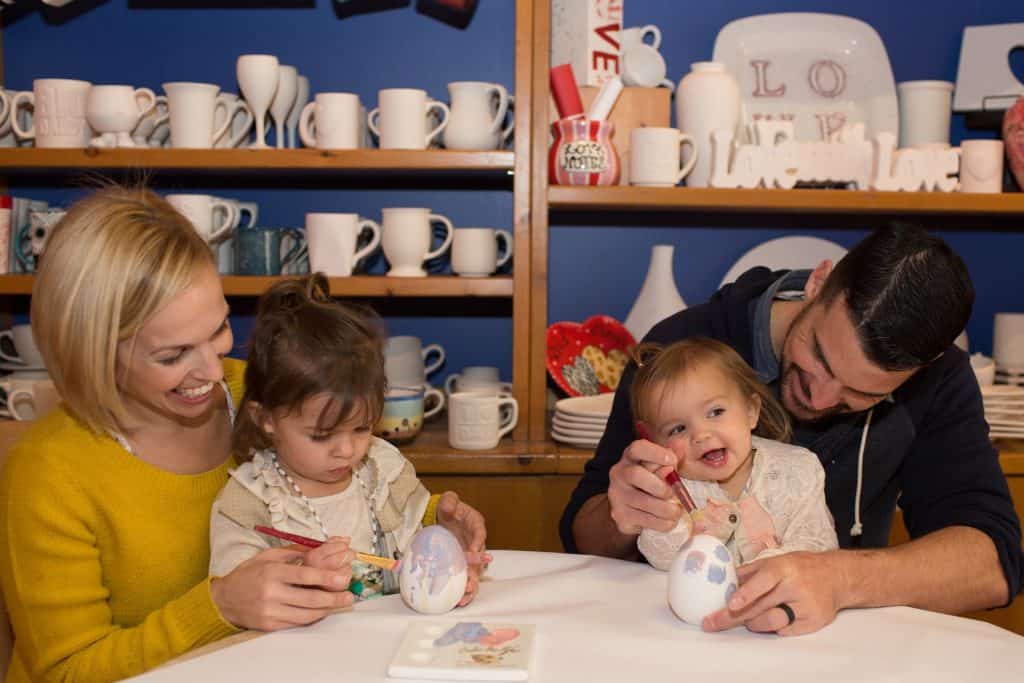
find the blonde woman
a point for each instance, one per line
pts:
(104, 543)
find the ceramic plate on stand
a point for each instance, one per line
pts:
(824, 70)
(786, 253)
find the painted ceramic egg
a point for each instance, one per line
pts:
(433, 575)
(701, 579)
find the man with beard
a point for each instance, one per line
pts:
(862, 357)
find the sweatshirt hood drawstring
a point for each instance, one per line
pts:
(858, 529)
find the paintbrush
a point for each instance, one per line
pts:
(671, 477)
(376, 560)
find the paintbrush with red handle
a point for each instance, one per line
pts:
(375, 560)
(671, 477)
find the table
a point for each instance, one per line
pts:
(608, 620)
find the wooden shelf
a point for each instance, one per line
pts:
(433, 286)
(260, 161)
(709, 200)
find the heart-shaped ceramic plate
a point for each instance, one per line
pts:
(587, 359)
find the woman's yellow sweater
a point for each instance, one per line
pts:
(103, 557)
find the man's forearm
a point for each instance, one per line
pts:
(596, 534)
(953, 570)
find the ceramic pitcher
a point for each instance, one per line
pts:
(477, 112)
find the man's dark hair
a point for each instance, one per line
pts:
(909, 295)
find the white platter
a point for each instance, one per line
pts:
(570, 419)
(587, 406)
(813, 67)
(786, 253)
(574, 441)
(590, 429)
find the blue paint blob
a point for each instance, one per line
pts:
(716, 573)
(722, 553)
(694, 562)
(730, 589)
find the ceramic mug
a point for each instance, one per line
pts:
(59, 108)
(981, 166)
(251, 208)
(406, 360)
(477, 111)
(23, 345)
(114, 112)
(212, 217)
(258, 251)
(331, 121)
(193, 109)
(404, 413)
(477, 421)
(406, 235)
(1008, 342)
(655, 156)
(334, 241)
(633, 36)
(926, 108)
(242, 121)
(644, 67)
(475, 251)
(400, 120)
(477, 379)
(27, 398)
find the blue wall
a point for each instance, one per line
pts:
(593, 268)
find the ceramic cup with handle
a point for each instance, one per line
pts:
(27, 398)
(477, 113)
(331, 121)
(477, 379)
(241, 208)
(407, 361)
(405, 411)
(406, 235)
(635, 35)
(261, 251)
(23, 349)
(114, 111)
(477, 421)
(475, 251)
(192, 112)
(242, 120)
(334, 241)
(655, 156)
(59, 105)
(213, 218)
(400, 120)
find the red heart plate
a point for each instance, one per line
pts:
(588, 359)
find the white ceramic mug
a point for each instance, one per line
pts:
(478, 421)
(114, 111)
(406, 360)
(59, 113)
(633, 36)
(981, 166)
(242, 121)
(925, 111)
(477, 112)
(475, 251)
(406, 235)
(481, 379)
(1008, 342)
(331, 121)
(251, 208)
(24, 346)
(26, 398)
(400, 120)
(212, 217)
(644, 67)
(192, 112)
(334, 238)
(655, 156)
(226, 256)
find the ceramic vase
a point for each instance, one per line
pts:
(707, 99)
(658, 297)
(1013, 138)
(582, 153)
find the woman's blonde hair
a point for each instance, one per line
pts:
(115, 259)
(657, 366)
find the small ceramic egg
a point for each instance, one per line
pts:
(433, 574)
(701, 578)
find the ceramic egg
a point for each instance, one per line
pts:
(701, 578)
(433, 574)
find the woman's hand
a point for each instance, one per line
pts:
(334, 555)
(271, 591)
(468, 526)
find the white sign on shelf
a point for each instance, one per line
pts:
(984, 81)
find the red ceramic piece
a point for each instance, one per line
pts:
(582, 153)
(1013, 138)
(587, 359)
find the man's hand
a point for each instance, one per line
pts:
(810, 583)
(638, 496)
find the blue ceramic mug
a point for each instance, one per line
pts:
(258, 251)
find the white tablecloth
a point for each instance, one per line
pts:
(607, 620)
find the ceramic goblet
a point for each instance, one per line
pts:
(257, 78)
(113, 111)
(301, 97)
(284, 100)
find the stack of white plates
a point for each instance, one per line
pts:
(580, 421)
(1006, 375)
(1004, 410)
